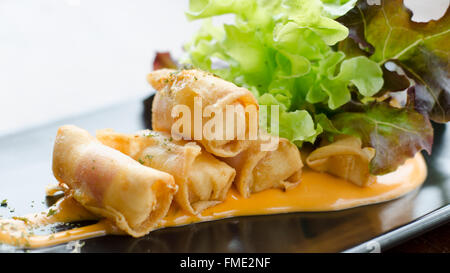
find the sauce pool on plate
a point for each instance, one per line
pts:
(316, 192)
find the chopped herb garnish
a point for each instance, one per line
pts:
(23, 219)
(4, 203)
(51, 212)
(149, 134)
(141, 161)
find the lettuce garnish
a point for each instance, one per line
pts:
(298, 54)
(281, 50)
(422, 50)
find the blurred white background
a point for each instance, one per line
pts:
(59, 58)
(63, 57)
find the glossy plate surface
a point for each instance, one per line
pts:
(25, 170)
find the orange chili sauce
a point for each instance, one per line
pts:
(316, 192)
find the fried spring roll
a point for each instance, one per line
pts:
(258, 170)
(181, 87)
(203, 180)
(110, 184)
(344, 158)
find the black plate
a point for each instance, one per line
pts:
(25, 170)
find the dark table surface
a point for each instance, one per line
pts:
(435, 241)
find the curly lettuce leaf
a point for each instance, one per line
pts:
(337, 8)
(327, 64)
(264, 14)
(386, 33)
(282, 50)
(297, 126)
(396, 134)
(359, 71)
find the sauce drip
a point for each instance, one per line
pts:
(316, 192)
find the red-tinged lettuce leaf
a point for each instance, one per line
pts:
(396, 134)
(432, 88)
(393, 81)
(354, 21)
(163, 60)
(385, 32)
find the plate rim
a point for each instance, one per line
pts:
(399, 235)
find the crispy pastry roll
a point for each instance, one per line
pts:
(344, 158)
(203, 180)
(258, 169)
(110, 184)
(184, 88)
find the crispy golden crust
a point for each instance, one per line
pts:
(258, 170)
(181, 87)
(344, 158)
(111, 184)
(203, 180)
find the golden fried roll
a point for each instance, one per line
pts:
(203, 180)
(258, 170)
(183, 87)
(344, 158)
(110, 184)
